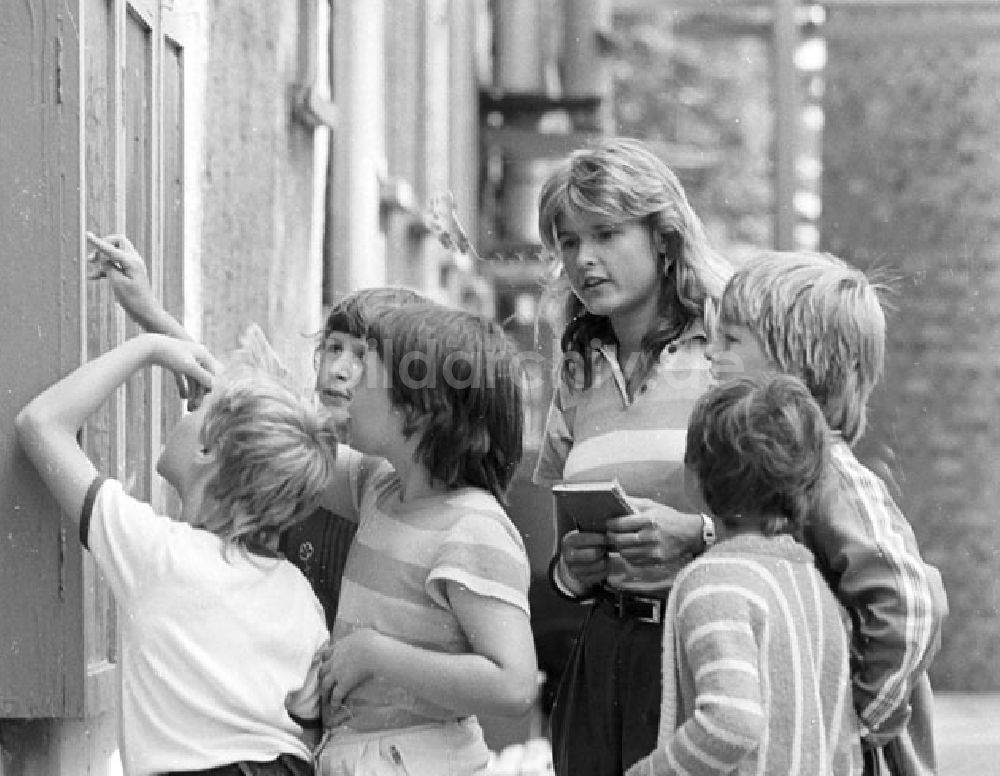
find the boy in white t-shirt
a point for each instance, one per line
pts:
(220, 636)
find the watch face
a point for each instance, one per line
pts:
(707, 530)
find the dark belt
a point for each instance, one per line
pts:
(626, 605)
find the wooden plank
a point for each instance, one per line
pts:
(100, 624)
(172, 228)
(138, 97)
(39, 303)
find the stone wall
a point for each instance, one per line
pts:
(259, 257)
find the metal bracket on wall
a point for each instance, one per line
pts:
(396, 195)
(313, 110)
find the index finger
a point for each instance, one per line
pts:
(101, 243)
(627, 523)
(105, 247)
(580, 539)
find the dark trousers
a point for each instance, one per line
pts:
(607, 708)
(285, 765)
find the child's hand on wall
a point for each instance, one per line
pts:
(115, 258)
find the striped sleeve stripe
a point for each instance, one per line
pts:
(722, 734)
(720, 590)
(718, 666)
(807, 637)
(729, 702)
(817, 606)
(725, 626)
(509, 594)
(699, 754)
(676, 767)
(914, 589)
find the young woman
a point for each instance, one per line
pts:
(636, 272)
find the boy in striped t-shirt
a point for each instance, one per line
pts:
(433, 622)
(756, 675)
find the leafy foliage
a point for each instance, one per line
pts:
(710, 96)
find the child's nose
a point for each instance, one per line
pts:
(334, 369)
(587, 255)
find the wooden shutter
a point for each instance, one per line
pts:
(104, 153)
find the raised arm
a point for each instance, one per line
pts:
(47, 427)
(115, 259)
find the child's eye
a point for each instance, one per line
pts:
(567, 243)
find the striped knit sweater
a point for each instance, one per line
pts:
(756, 676)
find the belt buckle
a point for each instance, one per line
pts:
(655, 616)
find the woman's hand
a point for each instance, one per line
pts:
(656, 536)
(583, 560)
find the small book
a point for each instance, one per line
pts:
(591, 504)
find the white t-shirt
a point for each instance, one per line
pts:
(216, 649)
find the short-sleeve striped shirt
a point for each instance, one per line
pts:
(402, 558)
(603, 433)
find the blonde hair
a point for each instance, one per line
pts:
(623, 180)
(818, 318)
(274, 454)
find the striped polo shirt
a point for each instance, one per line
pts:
(402, 558)
(603, 433)
(756, 674)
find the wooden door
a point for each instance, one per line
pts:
(100, 133)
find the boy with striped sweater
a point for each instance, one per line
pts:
(756, 671)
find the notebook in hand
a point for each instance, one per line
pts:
(591, 504)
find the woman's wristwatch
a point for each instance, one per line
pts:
(708, 535)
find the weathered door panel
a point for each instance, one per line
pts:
(92, 128)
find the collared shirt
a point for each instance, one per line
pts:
(602, 432)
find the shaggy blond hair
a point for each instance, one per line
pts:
(817, 318)
(274, 449)
(624, 180)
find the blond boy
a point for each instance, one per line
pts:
(814, 316)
